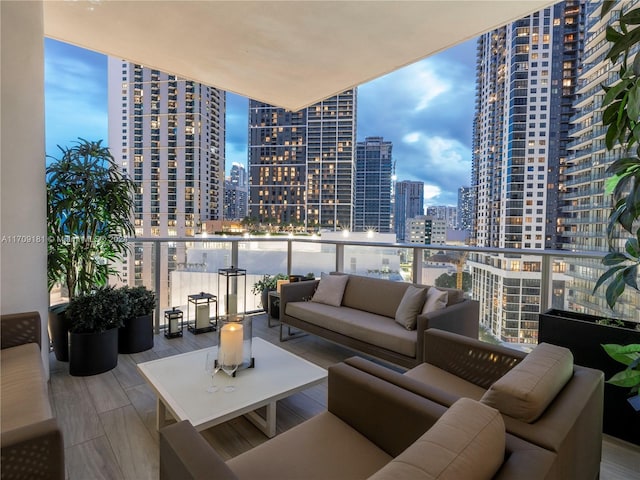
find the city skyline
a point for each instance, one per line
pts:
(425, 109)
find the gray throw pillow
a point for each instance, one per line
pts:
(436, 300)
(410, 307)
(330, 289)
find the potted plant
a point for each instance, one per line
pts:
(89, 203)
(628, 355)
(136, 335)
(96, 317)
(266, 284)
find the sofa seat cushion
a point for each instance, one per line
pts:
(323, 447)
(526, 390)
(374, 329)
(467, 442)
(23, 387)
(374, 295)
(443, 380)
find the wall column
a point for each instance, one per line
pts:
(23, 251)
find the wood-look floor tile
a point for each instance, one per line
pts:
(127, 372)
(92, 460)
(144, 400)
(76, 413)
(136, 451)
(106, 392)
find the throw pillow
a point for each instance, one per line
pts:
(526, 390)
(436, 300)
(330, 289)
(410, 306)
(467, 442)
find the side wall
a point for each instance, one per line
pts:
(23, 251)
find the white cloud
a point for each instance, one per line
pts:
(412, 137)
(431, 191)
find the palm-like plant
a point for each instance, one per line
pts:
(621, 117)
(89, 204)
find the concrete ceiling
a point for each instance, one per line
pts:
(286, 53)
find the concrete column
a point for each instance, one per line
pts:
(23, 251)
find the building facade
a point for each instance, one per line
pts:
(409, 203)
(526, 77)
(236, 193)
(465, 209)
(426, 230)
(373, 173)
(446, 213)
(168, 134)
(584, 202)
(301, 164)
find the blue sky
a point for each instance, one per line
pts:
(425, 109)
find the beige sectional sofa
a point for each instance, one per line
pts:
(546, 400)
(365, 317)
(32, 444)
(371, 429)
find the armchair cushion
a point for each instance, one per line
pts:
(528, 388)
(468, 442)
(410, 306)
(330, 289)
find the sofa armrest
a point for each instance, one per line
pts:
(33, 451)
(186, 455)
(477, 362)
(296, 292)
(461, 318)
(387, 415)
(19, 329)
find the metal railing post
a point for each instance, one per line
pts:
(546, 283)
(156, 284)
(289, 257)
(234, 254)
(339, 257)
(417, 265)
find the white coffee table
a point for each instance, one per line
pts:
(180, 383)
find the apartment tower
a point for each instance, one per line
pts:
(585, 205)
(301, 164)
(373, 185)
(465, 208)
(236, 193)
(526, 77)
(409, 203)
(168, 134)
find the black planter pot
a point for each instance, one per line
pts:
(93, 353)
(583, 336)
(59, 326)
(136, 335)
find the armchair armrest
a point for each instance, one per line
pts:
(186, 455)
(461, 318)
(296, 292)
(386, 414)
(33, 451)
(477, 362)
(19, 329)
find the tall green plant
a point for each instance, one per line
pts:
(89, 204)
(621, 117)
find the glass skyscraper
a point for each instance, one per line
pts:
(373, 185)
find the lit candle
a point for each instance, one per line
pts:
(231, 338)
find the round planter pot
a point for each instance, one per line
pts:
(93, 353)
(58, 326)
(136, 335)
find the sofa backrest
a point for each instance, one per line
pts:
(382, 297)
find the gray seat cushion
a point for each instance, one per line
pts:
(367, 327)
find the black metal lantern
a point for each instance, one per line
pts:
(201, 304)
(235, 289)
(173, 319)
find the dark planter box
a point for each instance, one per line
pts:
(59, 326)
(93, 353)
(136, 335)
(583, 336)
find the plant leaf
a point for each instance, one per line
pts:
(625, 378)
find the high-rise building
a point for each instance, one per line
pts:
(465, 209)
(526, 78)
(446, 213)
(584, 202)
(301, 164)
(373, 185)
(168, 133)
(236, 193)
(409, 203)
(426, 230)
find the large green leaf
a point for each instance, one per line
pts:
(607, 6)
(615, 289)
(625, 354)
(625, 378)
(632, 17)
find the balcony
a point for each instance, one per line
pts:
(108, 421)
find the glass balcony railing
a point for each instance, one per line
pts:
(512, 285)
